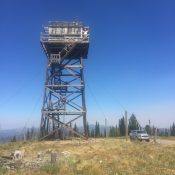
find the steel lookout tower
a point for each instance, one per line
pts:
(66, 46)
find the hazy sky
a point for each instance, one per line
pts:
(131, 62)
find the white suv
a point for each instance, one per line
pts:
(139, 135)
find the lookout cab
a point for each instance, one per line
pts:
(65, 40)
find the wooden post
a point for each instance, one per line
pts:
(126, 126)
(106, 128)
(24, 134)
(53, 158)
(155, 134)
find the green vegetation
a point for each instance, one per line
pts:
(172, 130)
(133, 123)
(122, 126)
(50, 169)
(3, 170)
(99, 157)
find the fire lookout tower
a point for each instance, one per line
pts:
(66, 46)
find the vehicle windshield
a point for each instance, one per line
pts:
(141, 132)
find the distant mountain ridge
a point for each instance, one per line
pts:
(7, 134)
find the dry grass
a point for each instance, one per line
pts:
(99, 157)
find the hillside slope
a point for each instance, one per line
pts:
(95, 157)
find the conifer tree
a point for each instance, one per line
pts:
(112, 131)
(28, 134)
(172, 130)
(122, 126)
(92, 134)
(133, 123)
(97, 129)
(87, 127)
(13, 139)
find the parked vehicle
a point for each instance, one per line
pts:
(139, 135)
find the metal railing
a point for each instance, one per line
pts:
(45, 38)
(65, 37)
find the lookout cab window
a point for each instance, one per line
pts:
(74, 31)
(64, 31)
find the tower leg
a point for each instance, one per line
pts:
(83, 99)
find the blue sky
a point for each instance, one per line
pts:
(131, 62)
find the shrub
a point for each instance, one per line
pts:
(50, 169)
(3, 170)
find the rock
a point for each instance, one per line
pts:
(12, 167)
(19, 154)
(66, 153)
(151, 156)
(7, 167)
(39, 155)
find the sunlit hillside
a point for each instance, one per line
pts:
(94, 157)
